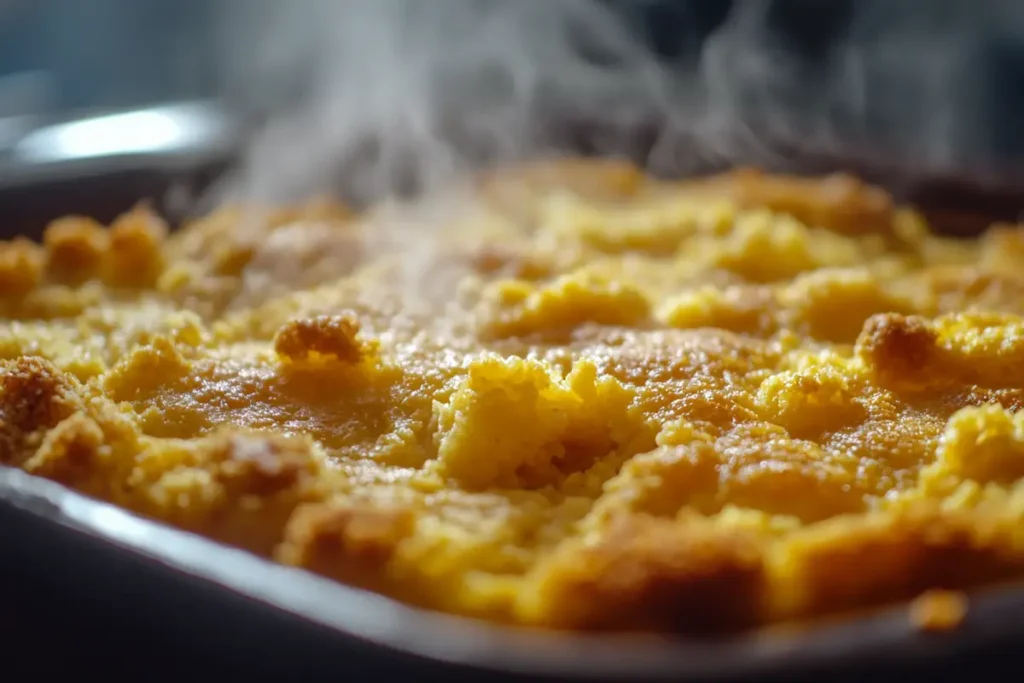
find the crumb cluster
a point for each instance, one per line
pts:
(596, 401)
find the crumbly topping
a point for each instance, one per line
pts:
(596, 401)
(939, 610)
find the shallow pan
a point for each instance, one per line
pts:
(183, 596)
(100, 163)
(109, 591)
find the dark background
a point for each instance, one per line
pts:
(932, 89)
(64, 56)
(107, 53)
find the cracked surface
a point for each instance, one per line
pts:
(575, 398)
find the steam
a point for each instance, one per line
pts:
(373, 98)
(393, 96)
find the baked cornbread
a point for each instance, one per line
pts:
(572, 397)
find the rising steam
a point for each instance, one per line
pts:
(389, 96)
(370, 98)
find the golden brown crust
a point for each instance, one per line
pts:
(75, 247)
(34, 398)
(838, 202)
(654, 574)
(68, 454)
(939, 610)
(21, 267)
(272, 475)
(596, 401)
(330, 336)
(891, 559)
(329, 539)
(136, 256)
(263, 466)
(899, 349)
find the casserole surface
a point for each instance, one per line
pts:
(570, 397)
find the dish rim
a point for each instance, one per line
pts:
(381, 622)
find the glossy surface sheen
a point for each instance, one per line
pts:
(571, 397)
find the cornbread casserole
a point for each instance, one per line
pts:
(585, 400)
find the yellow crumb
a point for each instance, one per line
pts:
(939, 610)
(596, 401)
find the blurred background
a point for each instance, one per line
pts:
(63, 61)
(66, 55)
(922, 90)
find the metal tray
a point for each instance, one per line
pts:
(117, 593)
(100, 163)
(270, 618)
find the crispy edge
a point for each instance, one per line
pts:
(326, 336)
(895, 557)
(654, 574)
(34, 397)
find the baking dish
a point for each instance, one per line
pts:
(372, 624)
